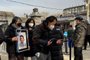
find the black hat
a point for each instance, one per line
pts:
(79, 18)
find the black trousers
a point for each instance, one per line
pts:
(78, 53)
(87, 39)
(15, 56)
(56, 52)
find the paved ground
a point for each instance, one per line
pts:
(86, 54)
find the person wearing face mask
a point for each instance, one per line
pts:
(11, 39)
(29, 25)
(56, 37)
(23, 25)
(51, 27)
(43, 39)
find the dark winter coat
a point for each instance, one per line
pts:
(9, 33)
(70, 32)
(32, 50)
(56, 34)
(55, 49)
(40, 38)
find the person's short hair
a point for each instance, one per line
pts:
(21, 36)
(49, 19)
(79, 18)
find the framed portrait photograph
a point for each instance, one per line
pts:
(23, 43)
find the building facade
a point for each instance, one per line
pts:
(70, 13)
(75, 10)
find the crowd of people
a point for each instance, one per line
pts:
(45, 40)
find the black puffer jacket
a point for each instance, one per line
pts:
(40, 38)
(55, 49)
(9, 33)
(56, 34)
(32, 50)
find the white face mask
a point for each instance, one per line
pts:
(23, 24)
(31, 24)
(51, 27)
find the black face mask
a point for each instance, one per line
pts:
(19, 24)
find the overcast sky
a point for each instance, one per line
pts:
(19, 9)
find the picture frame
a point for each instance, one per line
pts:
(23, 43)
